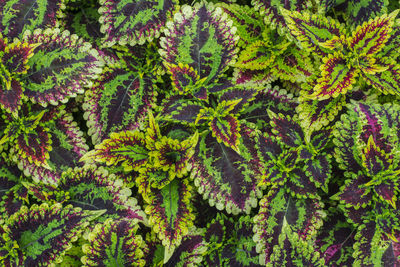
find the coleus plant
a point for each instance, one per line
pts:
(199, 133)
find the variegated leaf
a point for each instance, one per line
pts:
(230, 242)
(369, 247)
(370, 37)
(274, 99)
(247, 20)
(17, 16)
(315, 114)
(86, 24)
(226, 130)
(272, 10)
(191, 250)
(171, 213)
(40, 235)
(127, 148)
(293, 66)
(119, 101)
(92, 188)
(360, 11)
(133, 22)
(62, 65)
(185, 80)
(279, 210)
(387, 81)
(256, 56)
(180, 110)
(337, 78)
(226, 178)
(114, 242)
(67, 146)
(202, 38)
(286, 129)
(312, 29)
(335, 239)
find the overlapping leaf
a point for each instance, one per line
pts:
(133, 22)
(39, 236)
(114, 243)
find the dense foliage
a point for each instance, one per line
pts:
(204, 133)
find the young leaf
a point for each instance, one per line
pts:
(114, 243)
(133, 22)
(126, 147)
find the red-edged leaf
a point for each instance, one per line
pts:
(126, 147)
(337, 78)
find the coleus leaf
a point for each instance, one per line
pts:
(201, 37)
(247, 20)
(119, 101)
(173, 155)
(311, 29)
(230, 242)
(67, 146)
(337, 78)
(252, 77)
(226, 178)
(17, 16)
(127, 148)
(370, 37)
(39, 236)
(272, 10)
(358, 12)
(133, 22)
(93, 188)
(54, 74)
(286, 129)
(14, 58)
(114, 243)
(9, 177)
(171, 213)
(335, 239)
(85, 23)
(387, 81)
(185, 80)
(179, 110)
(293, 65)
(256, 56)
(315, 114)
(30, 139)
(279, 210)
(294, 251)
(191, 250)
(274, 99)
(369, 247)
